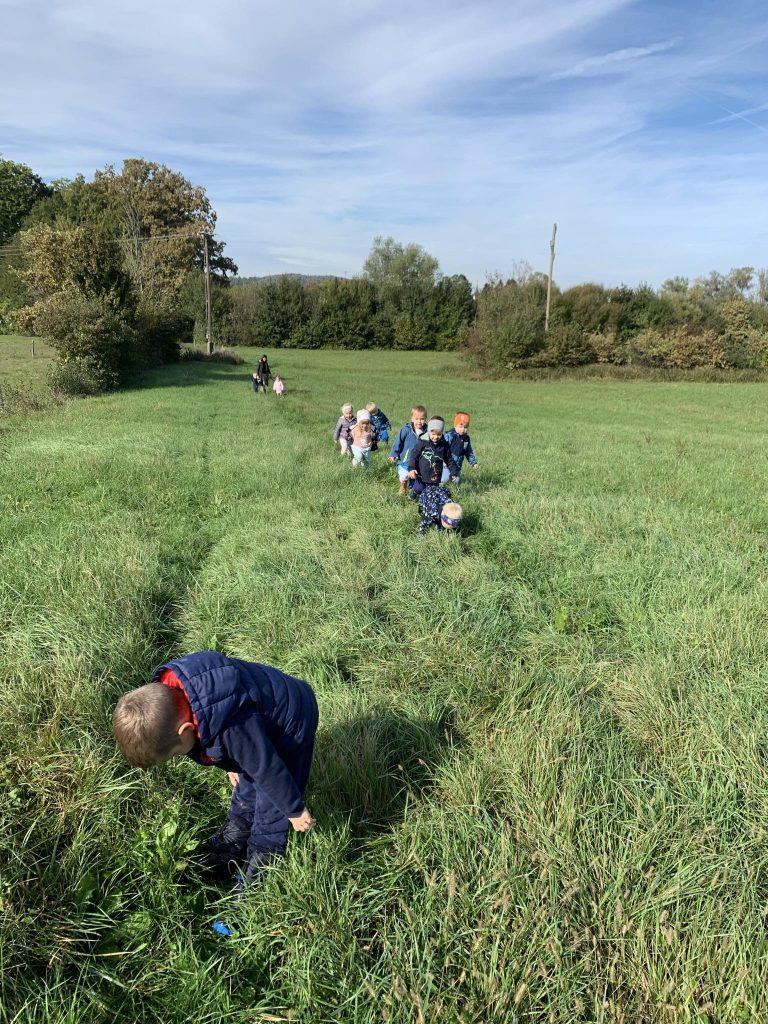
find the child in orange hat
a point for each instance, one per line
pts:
(460, 444)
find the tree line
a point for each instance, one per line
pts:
(400, 300)
(720, 320)
(111, 271)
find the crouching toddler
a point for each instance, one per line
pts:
(439, 510)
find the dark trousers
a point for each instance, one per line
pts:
(253, 822)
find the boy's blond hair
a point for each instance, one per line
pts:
(419, 408)
(372, 407)
(452, 509)
(146, 721)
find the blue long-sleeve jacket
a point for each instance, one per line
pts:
(246, 715)
(404, 442)
(380, 421)
(461, 448)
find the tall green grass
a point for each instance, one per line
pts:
(540, 777)
(23, 375)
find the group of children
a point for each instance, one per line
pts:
(253, 721)
(358, 434)
(425, 454)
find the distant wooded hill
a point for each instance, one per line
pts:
(301, 278)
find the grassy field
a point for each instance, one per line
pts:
(540, 779)
(17, 365)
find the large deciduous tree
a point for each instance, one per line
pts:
(163, 219)
(403, 275)
(110, 264)
(20, 189)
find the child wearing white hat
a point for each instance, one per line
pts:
(361, 437)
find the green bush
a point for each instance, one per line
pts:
(683, 347)
(19, 398)
(161, 335)
(7, 319)
(91, 332)
(509, 328)
(566, 345)
(606, 348)
(219, 355)
(73, 379)
(648, 348)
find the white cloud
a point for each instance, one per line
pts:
(608, 61)
(467, 127)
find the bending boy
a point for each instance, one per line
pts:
(254, 721)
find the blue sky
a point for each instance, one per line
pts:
(640, 127)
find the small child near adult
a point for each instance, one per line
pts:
(439, 510)
(380, 423)
(254, 722)
(428, 457)
(278, 387)
(407, 437)
(344, 424)
(460, 444)
(255, 381)
(361, 438)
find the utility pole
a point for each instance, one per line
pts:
(549, 279)
(208, 310)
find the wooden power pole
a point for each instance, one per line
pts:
(208, 310)
(549, 279)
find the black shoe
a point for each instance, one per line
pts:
(259, 858)
(216, 858)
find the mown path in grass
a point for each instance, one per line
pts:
(540, 774)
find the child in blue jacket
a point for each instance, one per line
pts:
(380, 424)
(460, 444)
(404, 442)
(254, 721)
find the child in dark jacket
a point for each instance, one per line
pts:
(254, 721)
(460, 444)
(439, 510)
(404, 442)
(429, 457)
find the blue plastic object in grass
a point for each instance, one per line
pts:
(222, 929)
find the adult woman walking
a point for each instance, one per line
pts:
(263, 372)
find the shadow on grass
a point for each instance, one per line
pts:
(187, 375)
(480, 482)
(367, 769)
